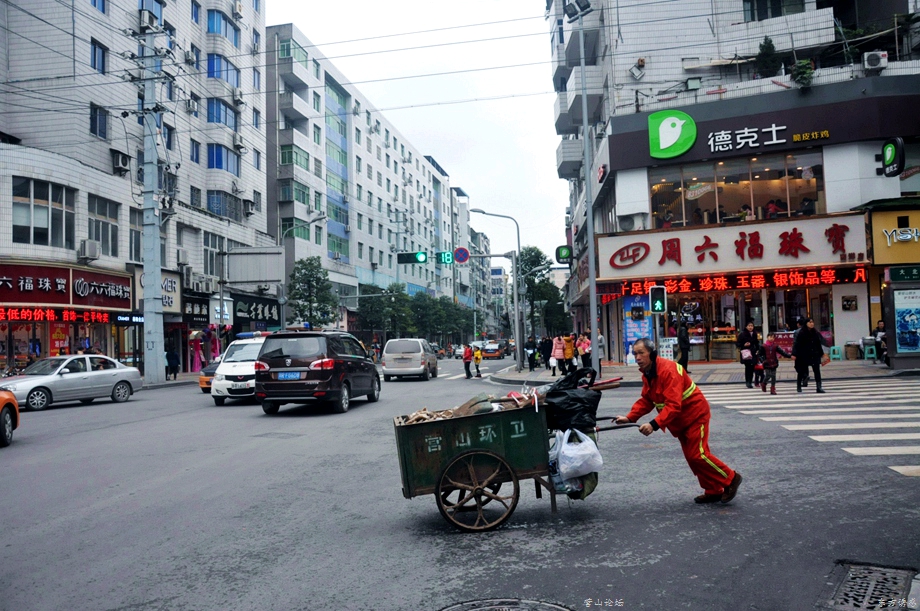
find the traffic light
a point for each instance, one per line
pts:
(564, 254)
(658, 299)
(412, 257)
(444, 258)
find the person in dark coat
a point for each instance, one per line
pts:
(769, 354)
(546, 351)
(530, 348)
(683, 342)
(747, 340)
(172, 363)
(800, 367)
(808, 350)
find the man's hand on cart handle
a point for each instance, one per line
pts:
(621, 420)
(646, 429)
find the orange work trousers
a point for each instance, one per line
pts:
(713, 474)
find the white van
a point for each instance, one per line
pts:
(236, 375)
(409, 357)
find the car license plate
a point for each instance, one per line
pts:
(289, 375)
(239, 385)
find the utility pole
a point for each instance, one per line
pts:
(154, 349)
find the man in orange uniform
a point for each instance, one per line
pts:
(684, 410)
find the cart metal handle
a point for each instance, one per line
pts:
(616, 427)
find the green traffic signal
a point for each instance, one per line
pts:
(405, 258)
(421, 257)
(658, 299)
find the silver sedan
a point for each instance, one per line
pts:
(73, 378)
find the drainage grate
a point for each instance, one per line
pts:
(505, 604)
(871, 587)
(279, 435)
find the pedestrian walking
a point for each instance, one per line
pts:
(568, 342)
(799, 366)
(172, 363)
(530, 348)
(558, 356)
(684, 411)
(546, 351)
(808, 351)
(748, 347)
(683, 342)
(477, 358)
(768, 353)
(467, 359)
(583, 346)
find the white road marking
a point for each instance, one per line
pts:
(883, 450)
(909, 471)
(852, 425)
(837, 417)
(867, 437)
(759, 412)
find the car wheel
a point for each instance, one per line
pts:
(374, 395)
(86, 401)
(38, 399)
(435, 374)
(6, 427)
(269, 407)
(121, 392)
(219, 400)
(427, 375)
(387, 378)
(340, 406)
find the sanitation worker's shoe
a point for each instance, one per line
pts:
(732, 489)
(708, 498)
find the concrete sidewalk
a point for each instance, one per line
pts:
(710, 373)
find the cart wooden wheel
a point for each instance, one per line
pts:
(477, 491)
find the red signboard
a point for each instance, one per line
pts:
(92, 289)
(53, 315)
(40, 286)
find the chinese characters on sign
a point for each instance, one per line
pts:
(725, 140)
(47, 314)
(807, 136)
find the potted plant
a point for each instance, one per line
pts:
(767, 63)
(803, 72)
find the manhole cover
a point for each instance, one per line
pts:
(279, 435)
(871, 587)
(505, 604)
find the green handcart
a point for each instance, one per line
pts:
(473, 464)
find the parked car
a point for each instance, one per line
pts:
(492, 351)
(409, 357)
(206, 376)
(235, 377)
(9, 417)
(73, 378)
(308, 366)
(458, 351)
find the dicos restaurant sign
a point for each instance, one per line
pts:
(738, 247)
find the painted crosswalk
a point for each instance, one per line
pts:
(886, 412)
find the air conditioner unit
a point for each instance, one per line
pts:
(875, 60)
(255, 48)
(188, 275)
(148, 20)
(631, 222)
(191, 106)
(344, 199)
(212, 285)
(373, 265)
(238, 10)
(89, 250)
(376, 129)
(387, 144)
(347, 228)
(238, 141)
(189, 58)
(197, 286)
(181, 257)
(356, 111)
(336, 256)
(121, 163)
(238, 96)
(249, 207)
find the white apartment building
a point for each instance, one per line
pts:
(349, 187)
(71, 170)
(742, 188)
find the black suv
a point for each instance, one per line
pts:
(303, 366)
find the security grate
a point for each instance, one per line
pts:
(871, 587)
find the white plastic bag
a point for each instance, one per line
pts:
(577, 459)
(561, 485)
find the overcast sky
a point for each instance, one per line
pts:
(501, 152)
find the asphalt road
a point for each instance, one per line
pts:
(169, 502)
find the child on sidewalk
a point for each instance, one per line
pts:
(768, 354)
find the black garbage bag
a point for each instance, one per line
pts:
(580, 377)
(574, 408)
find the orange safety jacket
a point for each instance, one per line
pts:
(671, 391)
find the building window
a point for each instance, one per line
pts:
(256, 119)
(256, 80)
(195, 151)
(291, 154)
(97, 57)
(359, 192)
(218, 23)
(338, 245)
(257, 159)
(196, 52)
(196, 103)
(256, 5)
(290, 48)
(290, 226)
(293, 191)
(222, 158)
(357, 136)
(318, 201)
(154, 6)
(360, 250)
(318, 235)
(136, 228)
(169, 134)
(257, 200)
(99, 5)
(103, 224)
(759, 10)
(43, 213)
(221, 112)
(318, 167)
(360, 220)
(317, 102)
(196, 12)
(316, 70)
(213, 246)
(224, 204)
(195, 197)
(338, 214)
(317, 135)
(220, 67)
(98, 121)
(170, 35)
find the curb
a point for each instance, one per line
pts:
(170, 384)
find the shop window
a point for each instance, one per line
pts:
(43, 213)
(733, 189)
(769, 180)
(806, 183)
(213, 246)
(700, 193)
(665, 196)
(103, 224)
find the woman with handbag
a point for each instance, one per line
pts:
(557, 356)
(808, 351)
(748, 345)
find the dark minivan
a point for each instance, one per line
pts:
(306, 366)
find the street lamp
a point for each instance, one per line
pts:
(305, 223)
(518, 344)
(576, 11)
